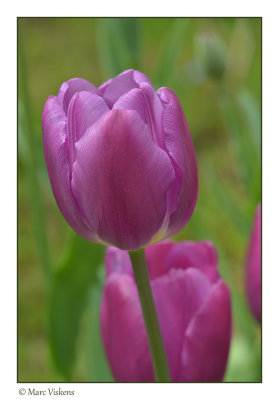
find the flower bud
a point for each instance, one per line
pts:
(193, 307)
(253, 268)
(212, 54)
(120, 160)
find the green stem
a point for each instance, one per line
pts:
(156, 344)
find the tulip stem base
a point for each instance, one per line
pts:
(158, 354)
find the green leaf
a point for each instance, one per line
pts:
(225, 201)
(242, 317)
(98, 364)
(70, 288)
(251, 113)
(171, 51)
(246, 152)
(118, 45)
(26, 134)
(244, 364)
(22, 143)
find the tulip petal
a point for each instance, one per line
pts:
(133, 100)
(180, 146)
(103, 87)
(117, 260)
(123, 331)
(139, 77)
(207, 339)
(84, 109)
(155, 113)
(118, 86)
(121, 184)
(155, 109)
(121, 84)
(178, 295)
(201, 255)
(156, 255)
(69, 88)
(55, 149)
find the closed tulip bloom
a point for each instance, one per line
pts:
(253, 271)
(120, 160)
(193, 308)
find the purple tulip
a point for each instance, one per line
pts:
(253, 271)
(193, 307)
(120, 160)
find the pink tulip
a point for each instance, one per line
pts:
(120, 160)
(253, 271)
(193, 307)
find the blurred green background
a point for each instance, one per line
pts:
(214, 66)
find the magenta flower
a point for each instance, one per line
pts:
(193, 308)
(120, 160)
(253, 271)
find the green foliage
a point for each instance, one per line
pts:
(244, 362)
(245, 149)
(171, 51)
(26, 133)
(118, 45)
(252, 117)
(97, 362)
(227, 204)
(69, 294)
